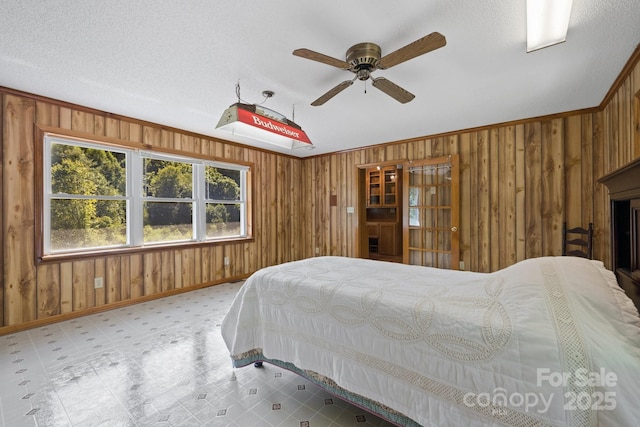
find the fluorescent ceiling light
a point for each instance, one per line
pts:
(264, 125)
(547, 22)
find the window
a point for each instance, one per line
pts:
(168, 200)
(99, 197)
(223, 198)
(86, 202)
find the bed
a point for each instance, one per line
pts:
(549, 341)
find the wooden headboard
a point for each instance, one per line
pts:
(624, 193)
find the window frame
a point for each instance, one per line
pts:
(242, 198)
(138, 222)
(135, 153)
(49, 195)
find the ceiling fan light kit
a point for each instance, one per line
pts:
(362, 59)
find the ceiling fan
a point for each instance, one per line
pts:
(364, 58)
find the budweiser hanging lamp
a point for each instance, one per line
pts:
(263, 124)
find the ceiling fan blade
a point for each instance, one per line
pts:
(331, 93)
(419, 47)
(393, 90)
(320, 57)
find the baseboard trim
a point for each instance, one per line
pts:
(32, 324)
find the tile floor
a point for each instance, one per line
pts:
(159, 363)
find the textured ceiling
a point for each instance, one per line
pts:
(177, 63)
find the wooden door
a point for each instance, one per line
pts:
(431, 213)
(387, 239)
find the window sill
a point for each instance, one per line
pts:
(75, 256)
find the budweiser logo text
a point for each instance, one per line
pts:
(281, 129)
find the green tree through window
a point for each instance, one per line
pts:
(90, 221)
(88, 205)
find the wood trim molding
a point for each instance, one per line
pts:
(624, 74)
(5, 330)
(42, 130)
(624, 182)
(2, 210)
(636, 125)
(382, 164)
(548, 117)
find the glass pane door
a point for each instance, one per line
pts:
(431, 213)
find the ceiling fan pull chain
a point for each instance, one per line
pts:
(365, 86)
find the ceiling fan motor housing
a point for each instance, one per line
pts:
(363, 58)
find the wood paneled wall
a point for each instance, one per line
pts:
(33, 293)
(519, 182)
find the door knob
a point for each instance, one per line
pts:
(454, 229)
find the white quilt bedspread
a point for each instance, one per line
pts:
(548, 341)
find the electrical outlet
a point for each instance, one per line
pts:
(98, 282)
(350, 209)
(317, 251)
(226, 260)
(461, 265)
